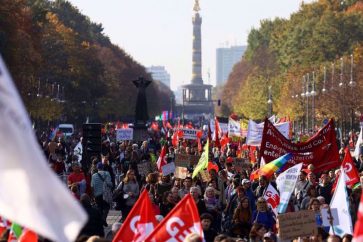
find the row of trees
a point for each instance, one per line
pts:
(282, 51)
(66, 68)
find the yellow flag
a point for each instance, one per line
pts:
(203, 161)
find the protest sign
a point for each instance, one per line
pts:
(181, 172)
(168, 168)
(124, 134)
(297, 224)
(286, 182)
(255, 131)
(321, 150)
(234, 128)
(204, 174)
(182, 160)
(185, 160)
(144, 168)
(190, 134)
(241, 164)
(223, 124)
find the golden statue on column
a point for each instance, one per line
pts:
(196, 7)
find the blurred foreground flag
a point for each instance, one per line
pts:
(30, 193)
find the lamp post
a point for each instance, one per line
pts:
(313, 93)
(307, 94)
(352, 84)
(303, 96)
(269, 102)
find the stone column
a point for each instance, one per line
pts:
(197, 50)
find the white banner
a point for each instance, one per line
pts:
(30, 192)
(190, 133)
(341, 204)
(286, 182)
(124, 134)
(255, 131)
(223, 126)
(234, 128)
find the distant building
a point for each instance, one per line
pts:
(226, 59)
(159, 73)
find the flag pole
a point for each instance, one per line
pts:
(330, 218)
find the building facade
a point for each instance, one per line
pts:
(226, 58)
(159, 73)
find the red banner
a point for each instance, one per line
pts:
(321, 150)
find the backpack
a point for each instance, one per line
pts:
(107, 190)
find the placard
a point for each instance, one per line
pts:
(185, 160)
(204, 174)
(293, 225)
(144, 168)
(124, 134)
(168, 168)
(241, 164)
(190, 134)
(181, 172)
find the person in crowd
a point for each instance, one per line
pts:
(206, 220)
(98, 189)
(175, 193)
(154, 205)
(325, 188)
(131, 192)
(262, 185)
(95, 221)
(242, 219)
(77, 178)
(301, 186)
(187, 184)
(246, 184)
(257, 232)
(167, 203)
(315, 206)
(310, 193)
(107, 167)
(263, 215)
(195, 193)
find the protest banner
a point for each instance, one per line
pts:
(241, 164)
(168, 168)
(181, 172)
(321, 150)
(223, 124)
(255, 131)
(234, 128)
(297, 224)
(124, 134)
(286, 182)
(144, 168)
(190, 134)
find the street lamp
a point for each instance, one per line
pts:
(352, 83)
(341, 72)
(269, 102)
(313, 93)
(324, 82)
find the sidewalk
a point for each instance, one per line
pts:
(113, 216)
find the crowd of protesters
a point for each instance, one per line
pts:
(231, 206)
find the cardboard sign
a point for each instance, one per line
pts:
(168, 168)
(241, 164)
(124, 134)
(293, 225)
(204, 174)
(144, 168)
(181, 172)
(185, 160)
(190, 134)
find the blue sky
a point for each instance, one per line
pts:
(159, 32)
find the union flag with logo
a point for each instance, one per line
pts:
(139, 223)
(272, 198)
(181, 221)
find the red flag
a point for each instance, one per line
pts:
(155, 126)
(162, 159)
(350, 169)
(217, 132)
(212, 166)
(182, 220)
(28, 236)
(224, 141)
(139, 223)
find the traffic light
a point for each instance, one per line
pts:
(92, 141)
(219, 102)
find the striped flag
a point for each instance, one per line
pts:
(270, 168)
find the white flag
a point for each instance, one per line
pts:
(255, 131)
(341, 204)
(272, 197)
(286, 182)
(30, 193)
(357, 145)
